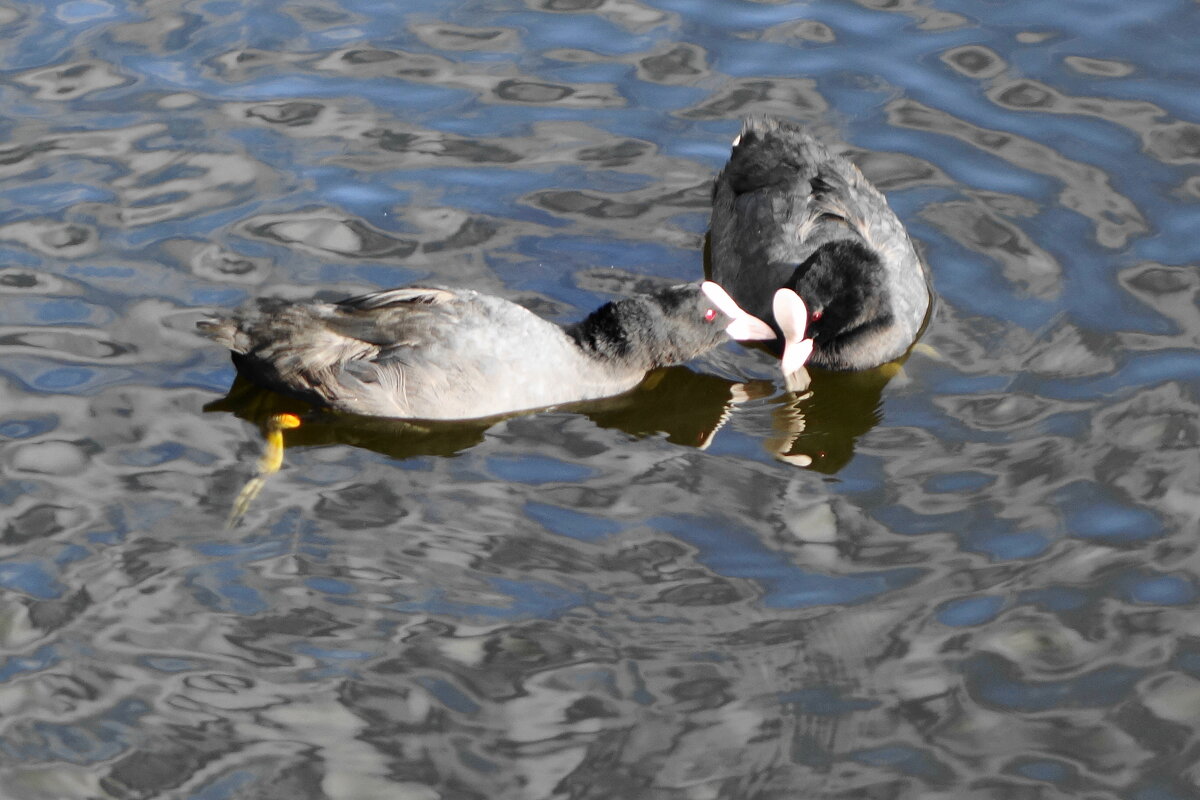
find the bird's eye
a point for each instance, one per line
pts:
(710, 315)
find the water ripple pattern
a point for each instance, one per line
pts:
(972, 576)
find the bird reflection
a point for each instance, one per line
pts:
(685, 407)
(822, 414)
(398, 438)
(814, 423)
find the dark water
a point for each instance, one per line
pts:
(984, 585)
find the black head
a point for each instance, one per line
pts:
(652, 330)
(703, 315)
(842, 284)
(664, 327)
(685, 321)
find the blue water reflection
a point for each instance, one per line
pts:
(972, 573)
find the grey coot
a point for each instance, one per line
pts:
(788, 214)
(435, 353)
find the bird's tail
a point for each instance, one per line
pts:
(222, 330)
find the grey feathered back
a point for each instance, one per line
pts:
(781, 197)
(435, 353)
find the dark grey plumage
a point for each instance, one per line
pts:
(787, 213)
(435, 353)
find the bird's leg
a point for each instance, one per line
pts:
(268, 464)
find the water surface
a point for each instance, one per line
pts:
(983, 584)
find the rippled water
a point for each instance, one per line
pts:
(984, 585)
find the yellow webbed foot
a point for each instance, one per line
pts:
(268, 464)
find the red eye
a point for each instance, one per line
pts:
(710, 315)
(816, 315)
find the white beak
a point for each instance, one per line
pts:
(792, 317)
(744, 326)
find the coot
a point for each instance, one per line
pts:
(788, 214)
(434, 353)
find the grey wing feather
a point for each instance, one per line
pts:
(330, 352)
(396, 317)
(405, 296)
(867, 211)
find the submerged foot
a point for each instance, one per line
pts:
(268, 464)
